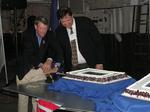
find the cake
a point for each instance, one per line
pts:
(139, 90)
(96, 76)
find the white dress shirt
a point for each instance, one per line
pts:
(73, 36)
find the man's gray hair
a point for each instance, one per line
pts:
(41, 19)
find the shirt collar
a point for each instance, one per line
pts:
(39, 38)
(73, 25)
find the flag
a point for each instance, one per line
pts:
(46, 106)
(53, 16)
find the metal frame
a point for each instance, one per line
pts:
(2, 47)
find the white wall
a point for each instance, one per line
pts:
(38, 9)
(107, 3)
(33, 8)
(82, 7)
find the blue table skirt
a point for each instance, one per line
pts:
(126, 104)
(107, 97)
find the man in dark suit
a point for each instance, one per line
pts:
(40, 56)
(88, 40)
(39, 47)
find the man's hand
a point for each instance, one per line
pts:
(46, 67)
(53, 70)
(99, 66)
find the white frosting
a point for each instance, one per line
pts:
(96, 73)
(142, 86)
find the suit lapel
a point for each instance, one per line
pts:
(78, 32)
(66, 36)
(42, 48)
(35, 41)
(77, 27)
(42, 44)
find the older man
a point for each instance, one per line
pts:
(40, 55)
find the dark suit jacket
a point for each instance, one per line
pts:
(33, 54)
(89, 41)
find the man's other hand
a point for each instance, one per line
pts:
(99, 66)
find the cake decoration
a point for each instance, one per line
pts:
(139, 90)
(96, 76)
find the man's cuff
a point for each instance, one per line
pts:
(57, 64)
(40, 65)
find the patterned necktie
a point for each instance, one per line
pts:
(42, 43)
(74, 52)
(71, 31)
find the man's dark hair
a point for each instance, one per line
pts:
(41, 19)
(63, 11)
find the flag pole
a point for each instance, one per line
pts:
(53, 16)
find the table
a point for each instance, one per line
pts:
(77, 95)
(101, 94)
(69, 101)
